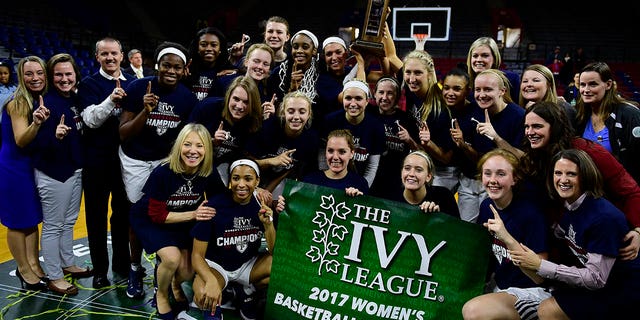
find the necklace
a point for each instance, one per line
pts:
(188, 180)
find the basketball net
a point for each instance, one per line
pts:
(420, 39)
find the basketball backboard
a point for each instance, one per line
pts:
(434, 21)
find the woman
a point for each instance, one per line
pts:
(608, 119)
(400, 133)
(366, 129)
(538, 84)
(591, 282)
(484, 54)
(20, 208)
(154, 111)
(427, 107)
(333, 70)
(300, 72)
(502, 125)
(226, 260)
(174, 199)
(8, 83)
(287, 146)
(58, 161)
(257, 66)
(548, 131)
(231, 122)
(276, 36)
(512, 219)
(210, 59)
(341, 174)
(417, 189)
(455, 90)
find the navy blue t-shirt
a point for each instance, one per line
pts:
(164, 122)
(525, 221)
(352, 179)
(234, 234)
(368, 136)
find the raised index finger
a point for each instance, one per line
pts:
(149, 87)
(495, 212)
(62, 119)
(117, 83)
(486, 116)
(221, 126)
(41, 100)
(273, 99)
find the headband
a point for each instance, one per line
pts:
(245, 162)
(308, 34)
(334, 40)
(357, 84)
(424, 156)
(174, 51)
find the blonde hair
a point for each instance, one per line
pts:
(261, 46)
(503, 82)
(550, 95)
(427, 159)
(433, 101)
(495, 52)
(175, 156)
(285, 101)
(23, 97)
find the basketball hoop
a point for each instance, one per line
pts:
(420, 39)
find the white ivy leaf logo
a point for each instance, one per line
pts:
(327, 202)
(326, 232)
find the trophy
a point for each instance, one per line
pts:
(373, 28)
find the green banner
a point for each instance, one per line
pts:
(344, 258)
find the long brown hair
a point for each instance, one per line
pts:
(254, 117)
(610, 100)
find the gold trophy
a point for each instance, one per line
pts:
(373, 28)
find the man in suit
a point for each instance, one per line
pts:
(135, 65)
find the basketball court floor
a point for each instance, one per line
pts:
(107, 303)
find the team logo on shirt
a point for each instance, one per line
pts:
(163, 118)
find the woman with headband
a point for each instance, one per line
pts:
(174, 200)
(154, 111)
(300, 72)
(400, 134)
(333, 72)
(367, 130)
(226, 249)
(416, 176)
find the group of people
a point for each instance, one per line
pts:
(198, 152)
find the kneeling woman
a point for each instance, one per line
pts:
(235, 234)
(173, 199)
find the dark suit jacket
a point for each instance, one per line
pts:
(146, 71)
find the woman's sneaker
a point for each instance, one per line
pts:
(229, 296)
(248, 305)
(135, 287)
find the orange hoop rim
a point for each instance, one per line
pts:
(420, 36)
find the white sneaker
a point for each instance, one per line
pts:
(183, 315)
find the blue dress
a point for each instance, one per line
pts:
(19, 201)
